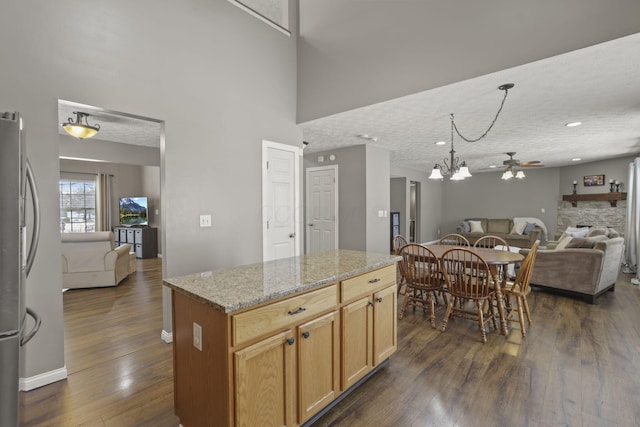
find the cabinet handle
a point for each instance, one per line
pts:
(305, 335)
(379, 299)
(371, 303)
(298, 310)
(374, 280)
(290, 341)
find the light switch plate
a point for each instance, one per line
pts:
(197, 336)
(205, 220)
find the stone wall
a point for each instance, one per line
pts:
(592, 213)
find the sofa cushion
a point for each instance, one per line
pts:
(476, 227)
(597, 231)
(563, 243)
(499, 225)
(518, 227)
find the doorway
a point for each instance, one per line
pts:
(280, 200)
(414, 212)
(322, 208)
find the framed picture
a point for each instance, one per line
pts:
(591, 180)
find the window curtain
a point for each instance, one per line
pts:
(104, 204)
(632, 243)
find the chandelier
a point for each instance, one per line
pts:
(458, 170)
(510, 173)
(78, 128)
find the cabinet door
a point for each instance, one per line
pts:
(264, 382)
(318, 360)
(384, 324)
(130, 236)
(356, 343)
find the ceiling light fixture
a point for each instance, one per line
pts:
(78, 128)
(510, 173)
(573, 124)
(453, 166)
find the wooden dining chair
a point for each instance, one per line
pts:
(467, 280)
(454, 239)
(491, 242)
(424, 280)
(519, 288)
(398, 243)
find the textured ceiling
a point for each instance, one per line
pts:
(599, 86)
(114, 126)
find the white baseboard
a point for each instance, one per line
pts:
(167, 336)
(40, 380)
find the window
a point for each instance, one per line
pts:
(77, 203)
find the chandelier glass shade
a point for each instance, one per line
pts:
(510, 173)
(80, 129)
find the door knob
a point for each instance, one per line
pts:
(310, 225)
(292, 235)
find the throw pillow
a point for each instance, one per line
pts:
(563, 243)
(570, 230)
(476, 227)
(582, 233)
(466, 227)
(529, 228)
(611, 233)
(518, 227)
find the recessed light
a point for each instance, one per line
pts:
(493, 166)
(441, 142)
(573, 124)
(576, 159)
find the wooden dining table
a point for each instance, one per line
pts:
(494, 259)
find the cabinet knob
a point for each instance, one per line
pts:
(296, 311)
(374, 280)
(290, 341)
(371, 303)
(305, 334)
(379, 299)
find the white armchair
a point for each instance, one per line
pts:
(90, 260)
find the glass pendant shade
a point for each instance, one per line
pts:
(464, 171)
(435, 173)
(520, 175)
(79, 129)
(507, 175)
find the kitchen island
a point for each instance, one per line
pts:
(279, 342)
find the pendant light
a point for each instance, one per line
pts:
(78, 128)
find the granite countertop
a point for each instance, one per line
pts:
(236, 288)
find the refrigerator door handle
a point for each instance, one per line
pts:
(38, 321)
(35, 235)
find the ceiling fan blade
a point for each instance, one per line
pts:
(529, 163)
(530, 166)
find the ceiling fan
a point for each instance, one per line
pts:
(513, 167)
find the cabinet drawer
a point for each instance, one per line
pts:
(368, 283)
(269, 318)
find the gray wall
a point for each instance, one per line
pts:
(355, 53)
(430, 202)
(377, 189)
(398, 203)
(221, 79)
(127, 179)
(486, 195)
(108, 151)
(151, 189)
(616, 169)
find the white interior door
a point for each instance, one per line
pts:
(322, 208)
(280, 200)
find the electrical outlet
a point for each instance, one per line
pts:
(205, 220)
(197, 336)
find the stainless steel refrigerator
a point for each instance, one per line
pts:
(17, 192)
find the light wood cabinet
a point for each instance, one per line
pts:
(280, 363)
(264, 382)
(368, 334)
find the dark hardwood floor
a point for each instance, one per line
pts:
(579, 365)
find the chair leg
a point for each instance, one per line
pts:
(526, 309)
(521, 316)
(446, 315)
(405, 301)
(483, 332)
(431, 298)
